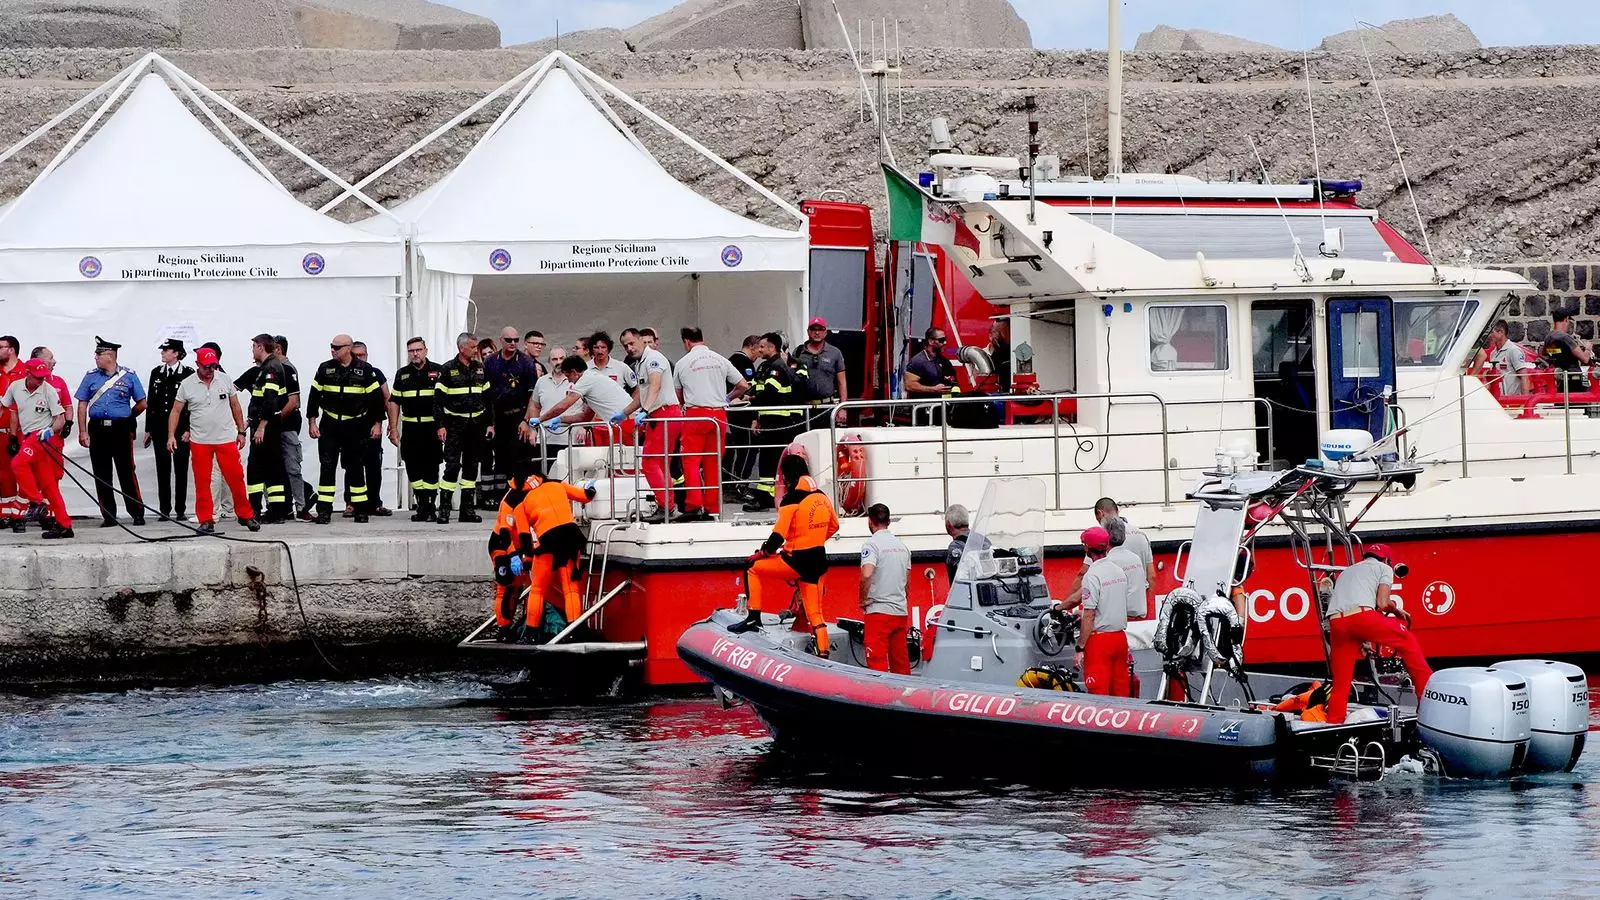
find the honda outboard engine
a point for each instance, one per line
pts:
(1476, 720)
(1558, 706)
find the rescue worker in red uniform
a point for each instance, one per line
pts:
(551, 543)
(38, 415)
(1361, 610)
(1103, 628)
(505, 552)
(795, 551)
(11, 369)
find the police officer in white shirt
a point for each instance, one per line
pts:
(704, 378)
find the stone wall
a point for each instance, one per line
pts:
(1573, 287)
(1476, 126)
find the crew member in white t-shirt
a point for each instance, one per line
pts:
(655, 398)
(1502, 361)
(38, 415)
(885, 572)
(1141, 594)
(600, 398)
(1104, 623)
(601, 360)
(550, 389)
(216, 431)
(705, 378)
(1356, 615)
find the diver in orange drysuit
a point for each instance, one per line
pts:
(805, 522)
(552, 542)
(505, 552)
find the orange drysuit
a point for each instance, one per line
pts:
(505, 544)
(805, 522)
(552, 542)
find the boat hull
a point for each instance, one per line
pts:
(1466, 601)
(846, 712)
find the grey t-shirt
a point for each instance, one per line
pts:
(210, 413)
(36, 409)
(822, 369)
(1138, 542)
(1357, 586)
(887, 593)
(1133, 569)
(1508, 360)
(1105, 590)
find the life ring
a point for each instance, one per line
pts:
(850, 471)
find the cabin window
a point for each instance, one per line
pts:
(839, 286)
(1191, 338)
(1359, 357)
(1425, 332)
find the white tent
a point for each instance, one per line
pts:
(560, 219)
(153, 228)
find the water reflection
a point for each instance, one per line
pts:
(428, 788)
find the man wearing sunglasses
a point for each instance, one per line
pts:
(929, 374)
(346, 410)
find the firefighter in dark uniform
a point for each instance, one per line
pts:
(347, 395)
(774, 385)
(172, 469)
(461, 410)
(265, 480)
(420, 447)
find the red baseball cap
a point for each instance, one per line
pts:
(38, 368)
(1381, 551)
(1097, 539)
(205, 356)
(818, 322)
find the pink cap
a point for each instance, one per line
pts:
(818, 322)
(205, 356)
(1096, 539)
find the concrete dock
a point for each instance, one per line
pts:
(108, 605)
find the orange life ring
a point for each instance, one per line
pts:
(850, 468)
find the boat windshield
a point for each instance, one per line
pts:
(1008, 531)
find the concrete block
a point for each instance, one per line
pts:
(340, 561)
(269, 558)
(1428, 34)
(976, 24)
(197, 563)
(89, 23)
(19, 569)
(708, 24)
(453, 557)
(79, 567)
(142, 567)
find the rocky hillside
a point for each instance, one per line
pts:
(1499, 142)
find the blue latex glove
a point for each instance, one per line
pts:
(589, 488)
(516, 565)
(554, 426)
(617, 419)
(639, 417)
(46, 435)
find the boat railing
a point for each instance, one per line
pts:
(1544, 405)
(626, 458)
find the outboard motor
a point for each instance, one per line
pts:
(1476, 720)
(1558, 705)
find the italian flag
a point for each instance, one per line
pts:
(914, 214)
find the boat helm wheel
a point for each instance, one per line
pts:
(1054, 631)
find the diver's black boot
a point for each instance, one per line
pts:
(752, 622)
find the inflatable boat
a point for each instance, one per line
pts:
(1000, 677)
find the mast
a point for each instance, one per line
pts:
(1114, 88)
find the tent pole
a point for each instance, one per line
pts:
(275, 138)
(69, 112)
(77, 138)
(642, 110)
(605, 108)
(223, 127)
(505, 116)
(535, 71)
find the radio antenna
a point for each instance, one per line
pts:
(1394, 141)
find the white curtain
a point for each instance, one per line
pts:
(439, 311)
(1164, 324)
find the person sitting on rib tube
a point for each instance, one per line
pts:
(1362, 610)
(795, 551)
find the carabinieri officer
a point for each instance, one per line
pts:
(110, 400)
